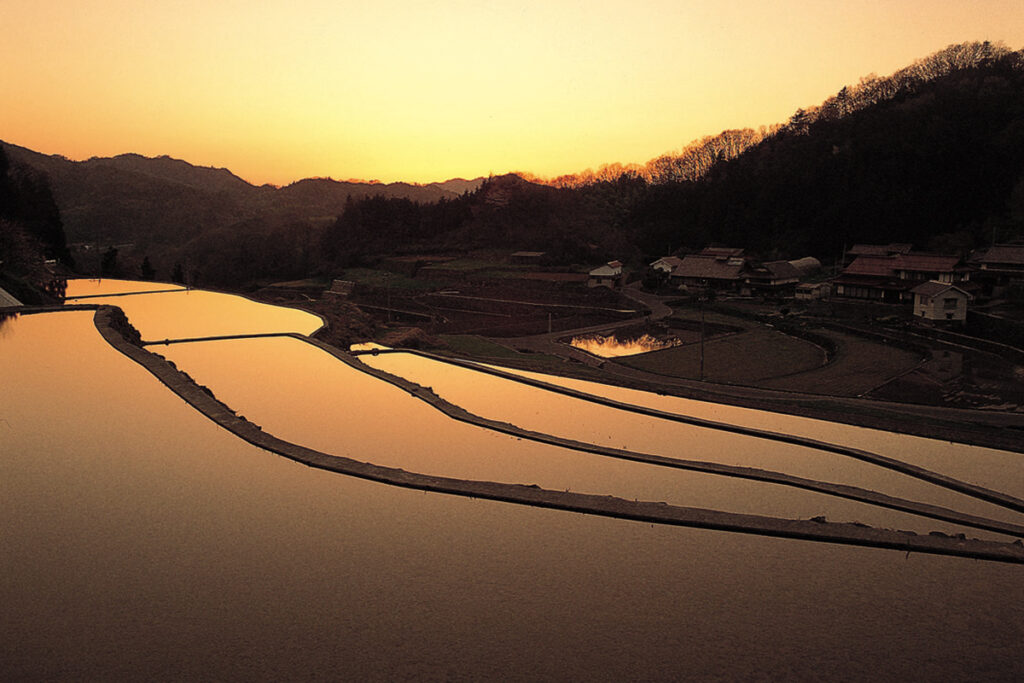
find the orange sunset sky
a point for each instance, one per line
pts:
(278, 90)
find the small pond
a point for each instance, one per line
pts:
(612, 346)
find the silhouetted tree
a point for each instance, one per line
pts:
(26, 199)
(109, 267)
(31, 233)
(146, 270)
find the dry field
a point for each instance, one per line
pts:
(747, 358)
(858, 367)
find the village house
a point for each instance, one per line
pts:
(608, 275)
(940, 301)
(666, 264)
(718, 268)
(8, 301)
(722, 252)
(893, 249)
(809, 291)
(890, 278)
(774, 278)
(998, 267)
(341, 288)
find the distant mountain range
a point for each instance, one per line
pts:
(131, 198)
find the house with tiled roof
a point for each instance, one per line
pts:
(716, 268)
(998, 267)
(890, 278)
(773, 278)
(917, 266)
(666, 264)
(608, 275)
(722, 252)
(875, 250)
(8, 301)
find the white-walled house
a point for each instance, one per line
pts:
(816, 290)
(666, 264)
(937, 301)
(608, 275)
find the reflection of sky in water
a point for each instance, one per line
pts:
(104, 286)
(133, 524)
(297, 392)
(366, 346)
(547, 412)
(610, 347)
(197, 313)
(992, 468)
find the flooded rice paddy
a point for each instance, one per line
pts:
(190, 313)
(143, 541)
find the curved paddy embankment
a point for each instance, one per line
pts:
(609, 506)
(980, 492)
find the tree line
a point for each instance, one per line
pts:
(933, 156)
(31, 234)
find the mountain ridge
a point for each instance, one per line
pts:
(146, 164)
(112, 200)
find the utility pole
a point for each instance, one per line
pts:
(701, 377)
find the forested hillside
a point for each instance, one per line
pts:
(31, 232)
(932, 155)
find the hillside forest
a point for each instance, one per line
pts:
(931, 155)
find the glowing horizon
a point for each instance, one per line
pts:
(431, 90)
